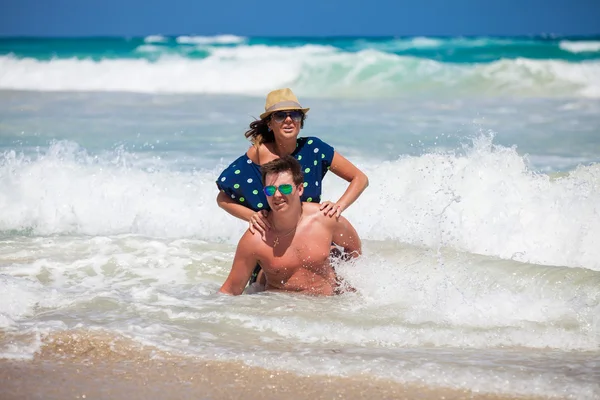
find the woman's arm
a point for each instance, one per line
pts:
(257, 220)
(358, 183)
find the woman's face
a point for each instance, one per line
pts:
(286, 124)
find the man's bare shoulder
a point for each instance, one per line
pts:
(251, 241)
(313, 212)
(310, 208)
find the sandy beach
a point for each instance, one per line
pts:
(42, 379)
(83, 365)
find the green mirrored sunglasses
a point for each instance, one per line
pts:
(285, 189)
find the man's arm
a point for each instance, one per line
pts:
(345, 235)
(243, 264)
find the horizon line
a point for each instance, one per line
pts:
(320, 36)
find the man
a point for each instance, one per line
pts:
(294, 254)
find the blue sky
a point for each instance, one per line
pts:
(301, 18)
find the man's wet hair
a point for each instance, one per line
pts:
(283, 164)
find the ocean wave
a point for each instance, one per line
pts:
(155, 39)
(219, 39)
(460, 49)
(313, 70)
(434, 43)
(485, 201)
(580, 46)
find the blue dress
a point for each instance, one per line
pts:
(242, 180)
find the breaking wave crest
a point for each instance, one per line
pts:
(313, 70)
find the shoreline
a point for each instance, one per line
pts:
(100, 365)
(50, 379)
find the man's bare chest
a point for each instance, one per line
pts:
(309, 253)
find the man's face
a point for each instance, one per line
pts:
(280, 201)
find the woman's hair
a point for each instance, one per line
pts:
(260, 133)
(283, 164)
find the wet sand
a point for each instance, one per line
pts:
(50, 380)
(88, 365)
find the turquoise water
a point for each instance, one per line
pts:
(443, 49)
(323, 67)
(481, 224)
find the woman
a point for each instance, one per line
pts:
(273, 136)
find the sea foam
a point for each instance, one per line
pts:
(485, 201)
(313, 70)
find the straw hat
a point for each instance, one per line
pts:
(281, 99)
